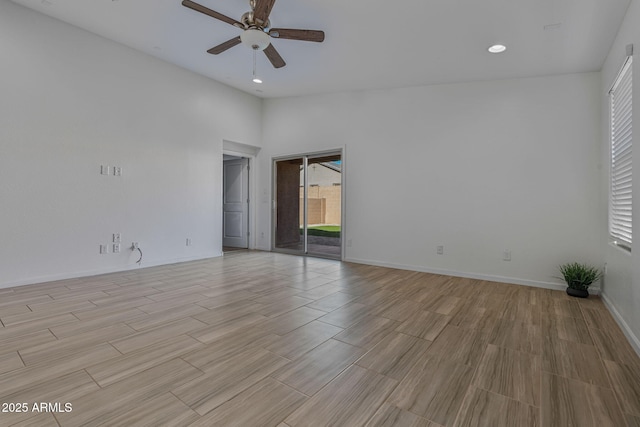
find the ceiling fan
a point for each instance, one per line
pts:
(257, 31)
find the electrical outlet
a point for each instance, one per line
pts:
(104, 249)
(506, 255)
(349, 243)
(116, 248)
(188, 241)
(440, 250)
(117, 237)
(134, 246)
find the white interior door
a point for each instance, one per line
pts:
(235, 215)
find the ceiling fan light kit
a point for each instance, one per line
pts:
(257, 31)
(255, 39)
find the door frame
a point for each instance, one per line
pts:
(249, 152)
(343, 209)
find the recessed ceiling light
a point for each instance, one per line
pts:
(257, 80)
(497, 48)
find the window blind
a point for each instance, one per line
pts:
(620, 204)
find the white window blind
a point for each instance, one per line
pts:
(620, 204)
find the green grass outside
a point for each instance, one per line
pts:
(326, 228)
(323, 230)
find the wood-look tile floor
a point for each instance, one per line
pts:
(264, 339)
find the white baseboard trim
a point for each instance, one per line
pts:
(633, 339)
(479, 276)
(96, 272)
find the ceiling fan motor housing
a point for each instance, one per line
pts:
(249, 21)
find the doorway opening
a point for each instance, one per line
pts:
(235, 203)
(308, 205)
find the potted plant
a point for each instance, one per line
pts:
(579, 277)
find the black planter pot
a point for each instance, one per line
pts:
(580, 293)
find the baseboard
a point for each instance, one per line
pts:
(96, 272)
(631, 337)
(479, 276)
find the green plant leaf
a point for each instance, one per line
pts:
(578, 275)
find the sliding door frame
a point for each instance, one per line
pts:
(305, 157)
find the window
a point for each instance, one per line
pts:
(620, 204)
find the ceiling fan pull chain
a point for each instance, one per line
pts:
(256, 79)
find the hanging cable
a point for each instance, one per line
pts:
(139, 262)
(134, 247)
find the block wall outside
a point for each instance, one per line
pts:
(325, 205)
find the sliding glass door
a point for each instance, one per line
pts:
(308, 205)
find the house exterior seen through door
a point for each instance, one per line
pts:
(308, 205)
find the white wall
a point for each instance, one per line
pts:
(621, 288)
(71, 101)
(478, 167)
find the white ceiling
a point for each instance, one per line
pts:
(368, 45)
